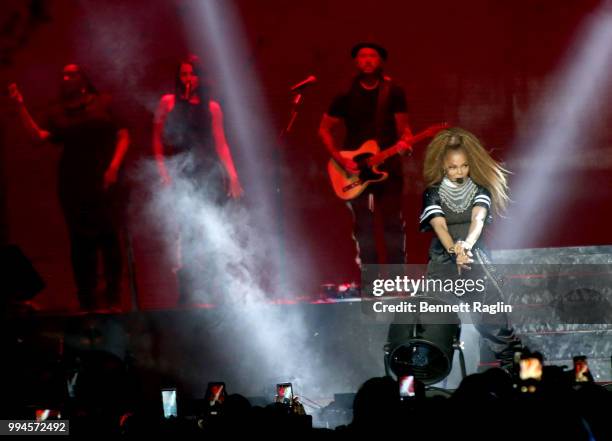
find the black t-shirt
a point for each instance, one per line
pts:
(434, 207)
(357, 108)
(89, 137)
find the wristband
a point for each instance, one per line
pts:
(468, 246)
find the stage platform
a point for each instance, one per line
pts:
(323, 345)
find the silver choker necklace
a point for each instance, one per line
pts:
(457, 197)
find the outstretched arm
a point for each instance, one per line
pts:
(479, 214)
(159, 120)
(403, 131)
(123, 142)
(325, 133)
(402, 125)
(441, 229)
(35, 132)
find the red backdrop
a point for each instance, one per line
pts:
(481, 66)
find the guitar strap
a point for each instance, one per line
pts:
(381, 105)
(379, 120)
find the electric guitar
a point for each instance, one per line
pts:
(368, 157)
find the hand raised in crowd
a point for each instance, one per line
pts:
(297, 407)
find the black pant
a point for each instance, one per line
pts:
(496, 331)
(84, 256)
(93, 227)
(378, 227)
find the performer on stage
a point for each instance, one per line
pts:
(94, 143)
(464, 187)
(373, 108)
(188, 126)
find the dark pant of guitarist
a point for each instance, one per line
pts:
(373, 108)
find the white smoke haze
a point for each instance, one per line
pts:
(261, 343)
(556, 130)
(117, 44)
(263, 339)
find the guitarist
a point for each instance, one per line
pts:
(373, 108)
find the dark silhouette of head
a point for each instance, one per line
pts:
(75, 83)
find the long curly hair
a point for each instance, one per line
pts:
(484, 170)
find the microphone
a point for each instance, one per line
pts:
(302, 84)
(188, 90)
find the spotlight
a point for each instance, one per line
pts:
(562, 122)
(424, 350)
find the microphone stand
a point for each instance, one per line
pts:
(297, 100)
(279, 159)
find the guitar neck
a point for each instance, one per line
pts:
(386, 154)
